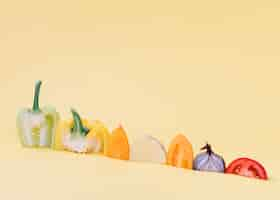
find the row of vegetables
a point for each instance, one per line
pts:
(42, 127)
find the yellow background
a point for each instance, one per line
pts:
(208, 69)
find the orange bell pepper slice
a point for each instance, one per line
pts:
(180, 153)
(118, 146)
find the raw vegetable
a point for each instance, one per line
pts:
(77, 135)
(247, 167)
(118, 146)
(36, 126)
(148, 149)
(209, 161)
(102, 134)
(180, 153)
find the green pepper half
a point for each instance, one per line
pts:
(36, 126)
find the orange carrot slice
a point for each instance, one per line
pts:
(180, 153)
(118, 146)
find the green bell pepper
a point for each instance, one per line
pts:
(36, 126)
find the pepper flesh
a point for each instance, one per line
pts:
(78, 135)
(36, 126)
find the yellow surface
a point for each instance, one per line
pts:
(209, 69)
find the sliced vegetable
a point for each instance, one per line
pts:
(36, 126)
(148, 149)
(209, 161)
(58, 138)
(77, 136)
(180, 153)
(247, 167)
(118, 146)
(102, 134)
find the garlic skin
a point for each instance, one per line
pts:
(209, 161)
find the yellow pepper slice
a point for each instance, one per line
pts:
(91, 136)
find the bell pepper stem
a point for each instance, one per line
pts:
(36, 107)
(78, 125)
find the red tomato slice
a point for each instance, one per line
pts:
(247, 167)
